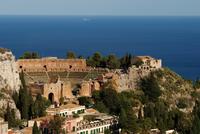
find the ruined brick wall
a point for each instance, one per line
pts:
(55, 89)
(148, 61)
(96, 86)
(58, 89)
(67, 90)
(85, 89)
(51, 64)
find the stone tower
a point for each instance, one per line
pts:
(96, 86)
(56, 89)
(67, 90)
(85, 89)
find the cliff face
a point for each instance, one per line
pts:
(8, 70)
(9, 80)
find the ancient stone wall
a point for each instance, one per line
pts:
(86, 89)
(96, 86)
(51, 64)
(55, 91)
(148, 61)
(122, 81)
(67, 90)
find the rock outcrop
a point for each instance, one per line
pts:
(9, 80)
(8, 70)
(176, 91)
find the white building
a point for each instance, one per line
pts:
(66, 110)
(171, 132)
(3, 126)
(97, 126)
(148, 62)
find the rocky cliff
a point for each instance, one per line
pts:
(8, 70)
(175, 90)
(9, 80)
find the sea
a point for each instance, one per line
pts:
(175, 40)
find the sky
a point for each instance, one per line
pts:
(101, 7)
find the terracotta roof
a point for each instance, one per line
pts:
(91, 110)
(144, 57)
(48, 117)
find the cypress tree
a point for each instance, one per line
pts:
(23, 98)
(196, 119)
(15, 97)
(35, 129)
(71, 55)
(31, 106)
(10, 117)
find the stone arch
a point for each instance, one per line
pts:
(45, 67)
(70, 66)
(51, 97)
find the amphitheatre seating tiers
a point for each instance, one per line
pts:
(52, 65)
(56, 65)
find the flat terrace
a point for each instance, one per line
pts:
(73, 77)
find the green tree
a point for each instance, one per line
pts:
(97, 57)
(15, 97)
(107, 131)
(126, 61)
(196, 119)
(150, 88)
(150, 112)
(113, 62)
(123, 119)
(30, 107)
(55, 125)
(71, 55)
(40, 105)
(30, 55)
(10, 117)
(132, 124)
(95, 60)
(197, 83)
(23, 98)
(96, 95)
(103, 62)
(111, 100)
(101, 107)
(24, 106)
(146, 125)
(161, 115)
(85, 101)
(81, 57)
(35, 129)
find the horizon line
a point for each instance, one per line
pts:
(99, 15)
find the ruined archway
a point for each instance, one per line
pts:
(51, 97)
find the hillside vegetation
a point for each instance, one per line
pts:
(163, 100)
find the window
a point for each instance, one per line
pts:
(73, 128)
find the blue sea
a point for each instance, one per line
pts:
(176, 40)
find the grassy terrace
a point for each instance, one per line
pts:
(74, 77)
